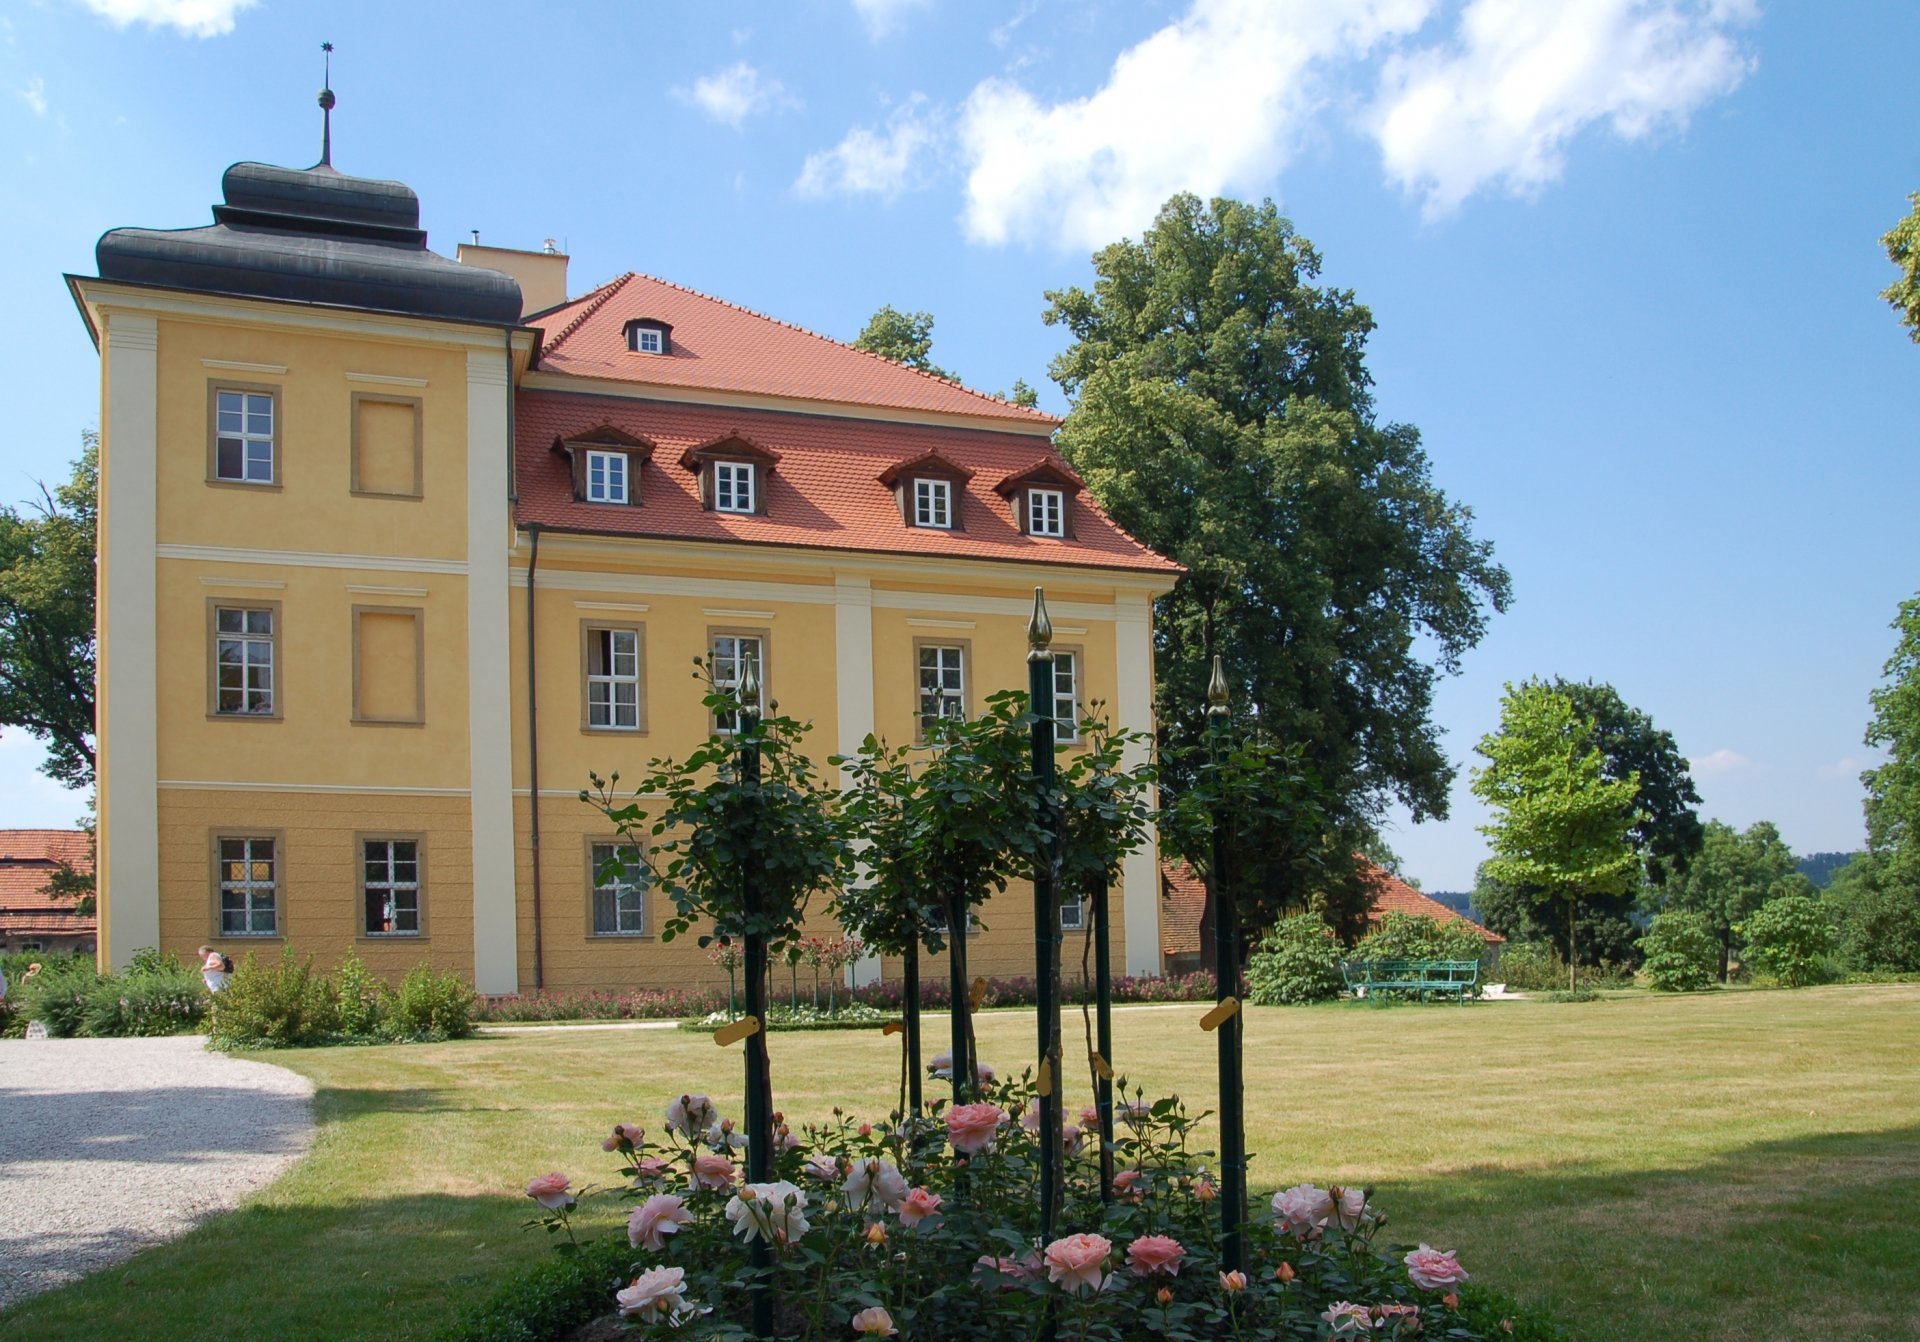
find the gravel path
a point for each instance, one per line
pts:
(108, 1146)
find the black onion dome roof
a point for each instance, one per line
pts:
(312, 235)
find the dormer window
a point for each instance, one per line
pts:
(933, 503)
(606, 477)
(645, 336)
(930, 489)
(733, 487)
(1046, 512)
(605, 464)
(1042, 498)
(733, 471)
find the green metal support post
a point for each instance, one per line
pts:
(759, 1073)
(1226, 974)
(1046, 917)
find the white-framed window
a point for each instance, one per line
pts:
(730, 655)
(1066, 696)
(613, 679)
(933, 503)
(619, 896)
(733, 484)
(649, 340)
(249, 887)
(243, 661)
(1046, 512)
(1073, 913)
(390, 887)
(243, 437)
(943, 684)
(606, 477)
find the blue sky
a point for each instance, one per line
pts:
(1624, 258)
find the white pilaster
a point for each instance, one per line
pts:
(1133, 710)
(853, 677)
(127, 691)
(496, 960)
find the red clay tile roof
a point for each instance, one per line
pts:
(28, 860)
(1186, 899)
(823, 492)
(718, 346)
(1393, 895)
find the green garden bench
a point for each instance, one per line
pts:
(1458, 979)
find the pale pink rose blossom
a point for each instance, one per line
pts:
(1071, 1138)
(1302, 1209)
(626, 1135)
(648, 1168)
(1203, 1191)
(1347, 1319)
(972, 1127)
(691, 1115)
(1030, 1117)
(550, 1191)
(1078, 1261)
(712, 1173)
(787, 1141)
(1152, 1254)
(1090, 1118)
(1130, 1183)
(1011, 1271)
(824, 1168)
(653, 1220)
(775, 1212)
(1432, 1270)
(1399, 1320)
(1135, 1112)
(1348, 1205)
(1233, 1282)
(875, 1185)
(941, 1068)
(917, 1206)
(656, 1296)
(874, 1322)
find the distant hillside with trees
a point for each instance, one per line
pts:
(1820, 867)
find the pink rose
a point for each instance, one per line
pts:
(1233, 1282)
(917, 1206)
(787, 1141)
(1155, 1253)
(1030, 1117)
(691, 1115)
(712, 1172)
(824, 1168)
(1011, 1271)
(775, 1212)
(1203, 1191)
(1302, 1209)
(1130, 1183)
(550, 1191)
(1346, 1319)
(625, 1137)
(653, 1220)
(1135, 1112)
(1431, 1270)
(874, 1322)
(972, 1127)
(1070, 1137)
(875, 1184)
(656, 1296)
(1078, 1261)
(1397, 1320)
(1348, 1206)
(650, 1167)
(1090, 1119)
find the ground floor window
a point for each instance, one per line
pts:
(390, 887)
(619, 897)
(249, 874)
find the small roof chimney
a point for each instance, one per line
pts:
(542, 275)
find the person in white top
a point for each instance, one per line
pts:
(214, 969)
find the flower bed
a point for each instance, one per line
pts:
(927, 1229)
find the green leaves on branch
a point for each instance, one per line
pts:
(1903, 249)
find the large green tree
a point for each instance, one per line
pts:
(1562, 829)
(1903, 249)
(1734, 874)
(46, 619)
(1893, 789)
(1222, 411)
(904, 337)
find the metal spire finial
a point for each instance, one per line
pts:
(1217, 689)
(750, 684)
(327, 101)
(1039, 628)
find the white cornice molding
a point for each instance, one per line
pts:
(249, 584)
(242, 366)
(371, 589)
(384, 379)
(220, 554)
(369, 789)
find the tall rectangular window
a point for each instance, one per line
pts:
(1073, 913)
(613, 679)
(248, 872)
(733, 486)
(390, 887)
(933, 503)
(1066, 695)
(619, 895)
(606, 477)
(731, 652)
(1046, 512)
(243, 656)
(943, 684)
(243, 436)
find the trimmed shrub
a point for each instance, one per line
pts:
(1297, 962)
(1681, 954)
(56, 996)
(362, 998)
(1878, 925)
(1410, 936)
(429, 1005)
(1790, 940)
(156, 997)
(270, 1004)
(1536, 966)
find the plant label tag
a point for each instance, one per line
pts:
(894, 1027)
(1044, 1083)
(978, 995)
(1221, 1014)
(744, 1028)
(1101, 1065)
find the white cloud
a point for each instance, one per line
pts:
(195, 18)
(1500, 102)
(735, 93)
(1217, 100)
(885, 16)
(1722, 761)
(1848, 766)
(877, 163)
(34, 95)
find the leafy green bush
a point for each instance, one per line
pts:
(1298, 961)
(1681, 954)
(551, 1299)
(1408, 936)
(430, 1005)
(1572, 995)
(1536, 966)
(280, 1004)
(1790, 940)
(156, 997)
(362, 998)
(1878, 922)
(57, 995)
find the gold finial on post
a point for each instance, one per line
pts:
(1039, 629)
(750, 683)
(1217, 690)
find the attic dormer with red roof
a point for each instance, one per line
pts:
(929, 490)
(733, 472)
(605, 464)
(1042, 498)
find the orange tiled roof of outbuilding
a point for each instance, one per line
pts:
(1185, 901)
(28, 859)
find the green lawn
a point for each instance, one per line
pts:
(1735, 1165)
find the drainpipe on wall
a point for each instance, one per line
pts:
(533, 757)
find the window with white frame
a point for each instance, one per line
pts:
(390, 887)
(1046, 512)
(733, 485)
(649, 340)
(243, 661)
(943, 684)
(731, 653)
(933, 503)
(248, 871)
(619, 894)
(1073, 913)
(606, 477)
(1066, 696)
(613, 679)
(243, 437)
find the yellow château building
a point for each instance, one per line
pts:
(394, 549)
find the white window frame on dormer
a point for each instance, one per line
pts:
(734, 484)
(933, 503)
(607, 476)
(1046, 512)
(642, 334)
